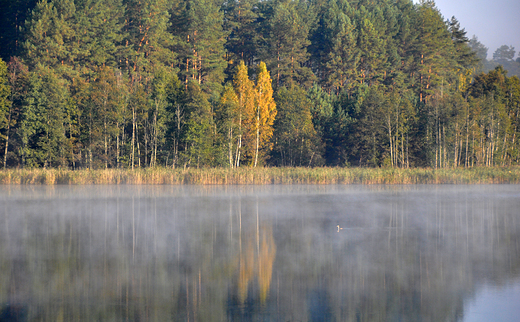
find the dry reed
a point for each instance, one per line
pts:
(263, 176)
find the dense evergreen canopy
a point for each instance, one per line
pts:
(180, 83)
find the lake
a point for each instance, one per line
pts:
(260, 253)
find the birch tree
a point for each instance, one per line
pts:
(265, 110)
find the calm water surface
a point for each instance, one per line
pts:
(260, 253)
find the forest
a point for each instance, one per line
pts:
(94, 84)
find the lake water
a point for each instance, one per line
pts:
(260, 253)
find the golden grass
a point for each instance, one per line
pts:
(263, 176)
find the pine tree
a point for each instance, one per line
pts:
(432, 51)
(342, 61)
(148, 43)
(372, 48)
(241, 23)
(465, 59)
(50, 35)
(200, 42)
(44, 120)
(18, 75)
(287, 33)
(98, 28)
(296, 142)
(504, 53)
(367, 140)
(480, 52)
(199, 137)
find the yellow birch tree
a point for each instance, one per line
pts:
(265, 110)
(244, 89)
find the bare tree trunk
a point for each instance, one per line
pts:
(179, 115)
(257, 134)
(239, 143)
(7, 137)
(175, 153)
(138, 149)
(513, 143)
(105, 138)
(117, 145)
(230, 146)
(146, 139)
(90, 141)
(396, 140)
(402, 150)
(437, 144)
(456, 145)
(407, 153)
(472, 148)
(445, 156)
(133, 137)
(504, 147)
(71, 148)
(466, 163)
(278, 68)
(390, 139)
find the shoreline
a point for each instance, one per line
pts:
(262, 176)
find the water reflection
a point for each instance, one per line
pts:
(254, 252)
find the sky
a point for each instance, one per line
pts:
(494, 22)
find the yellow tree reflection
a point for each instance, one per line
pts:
(266, 257)
(257, 263)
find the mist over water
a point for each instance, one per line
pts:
(255, 253)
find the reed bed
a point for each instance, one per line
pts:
(263, 176)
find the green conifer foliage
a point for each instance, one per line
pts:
(44, 120)
(200, 39)
(5, 104)
(433, 59)
(200, 133)
(372, 48)
(5, 93)
(296, 142)
(140, 83)
(18, 77)
(148, 43)
(241, 23)
(50, 35)
(287, 42)
(342, 61)
(98, 25)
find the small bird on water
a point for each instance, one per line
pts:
(339, 228)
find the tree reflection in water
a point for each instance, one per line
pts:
(253, 253)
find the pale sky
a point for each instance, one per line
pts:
(494, 22)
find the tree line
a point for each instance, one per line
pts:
(197, 83)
